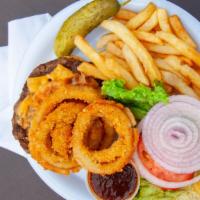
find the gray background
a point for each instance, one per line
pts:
(17, 179)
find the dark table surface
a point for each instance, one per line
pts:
(17, 179)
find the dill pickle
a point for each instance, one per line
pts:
(82, 22)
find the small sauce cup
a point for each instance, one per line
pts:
(130, 197)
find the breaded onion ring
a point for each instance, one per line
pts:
(114, 158)
(65, 92)
(51, 145)
(51, 127)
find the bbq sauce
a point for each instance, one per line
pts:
(118, 186)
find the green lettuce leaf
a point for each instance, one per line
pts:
(150, 192)
(140, 99)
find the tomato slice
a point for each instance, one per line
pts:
(157, 170)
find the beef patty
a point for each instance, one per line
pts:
(70, 62)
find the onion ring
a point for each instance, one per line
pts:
(171, 134)
(114, 158)
(50, 132)
(56, 155)
(65, 92)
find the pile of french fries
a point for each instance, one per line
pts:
(144, 47)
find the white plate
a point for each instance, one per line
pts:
(73, 187)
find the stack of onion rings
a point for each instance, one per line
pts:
(50, 133)
(52, 147)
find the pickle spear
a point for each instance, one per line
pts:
(82, 22)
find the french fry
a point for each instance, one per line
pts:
(163, 20)
(137, 47)
(180, 31)
(141, 17)
(157, 28)
(158, 55)
(162, 49)
(163, 65)
(151, 23)
(185, 70)
(136, 67)
(119, 60)
(125, 14)
(178, 84)
(186, 61)
(96, 58)
(119, 43)
(105, 39)
(115, 50)
(196, 89)
(90, 70)
(148, 37)
(121, 21)
(120, 72)
(198, 71)
(181, 46)
(168, 88)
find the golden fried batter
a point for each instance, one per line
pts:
(114, 158)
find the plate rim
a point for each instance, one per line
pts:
(71, 6)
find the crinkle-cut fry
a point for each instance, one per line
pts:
(105, 39)
(181, 46)
(136, 67)
(121, 73)
(96, 58)
(141, 17)
(122, 62)
(163, 65)
(125, 14)
(115, 50)
(184, 69)
(180, 31)
(148, 37)
(178, 84)
(163, 20)
(119, 43)
(137, 47)
(151, 23)
(91, 70)
(162, 49)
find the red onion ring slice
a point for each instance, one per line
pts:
(171, 134)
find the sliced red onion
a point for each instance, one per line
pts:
(159, 182)
(171, 134)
